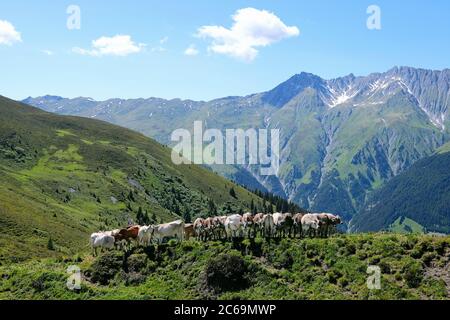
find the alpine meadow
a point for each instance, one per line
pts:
(224, 155)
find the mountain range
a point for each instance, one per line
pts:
(340, 139)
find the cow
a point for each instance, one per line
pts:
(199, 228)
(258, 221)
(219, 227)
(189, 231)
(101, 240)
(248, 224)
(311, 224)
(145, 235)
(128, 235)
(329, 223)
(283, 223)
(298, 224)
(233, 226)
(166, 230)
(112, 232)
(211, 227)
(267, 225)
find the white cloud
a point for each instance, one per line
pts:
(164, 40)
(48, 52)
(158, 49)
(191, 51)
(252, 28)
(119, 45)
(8, 34)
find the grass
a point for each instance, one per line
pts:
(412, 267)
(406, 225)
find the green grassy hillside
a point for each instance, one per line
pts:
(421, 194)
(62, 178)
(411, 266)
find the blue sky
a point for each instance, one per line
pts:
(333, 41)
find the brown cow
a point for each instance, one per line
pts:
(210, 226)
(128, 234)
(248, 224)
(189, 231)
(258, 221)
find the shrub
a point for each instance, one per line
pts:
(137, 262)
(285, 261)
(420, 249)
(106, 267)
(384, 267)
(343, 282)
(413, 274)
(428, 257)
(226, 273)
(333, 275)
(134, 278)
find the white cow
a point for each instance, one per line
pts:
(112, 233)
(171, 229)
(283, 223)
(233, 225)
(145, 235)
(101, 240)
(310, 224)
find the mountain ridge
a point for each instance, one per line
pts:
(340, 138)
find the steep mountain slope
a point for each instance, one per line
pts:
(340, 139)
(64, 177)
(421, 194)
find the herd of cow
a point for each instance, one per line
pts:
(224, 227)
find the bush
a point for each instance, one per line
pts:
(413, 274)
(284, 261)
(226, 273)
(134, 278)
(420, 249)
(106, 267)
(428, 257)
(333, 275)
(137, 263)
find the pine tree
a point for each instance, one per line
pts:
(233, 193)
(187, 216)
(212, 208)
(140, 216)
(50, 245)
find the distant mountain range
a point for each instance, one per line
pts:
(341, 139)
